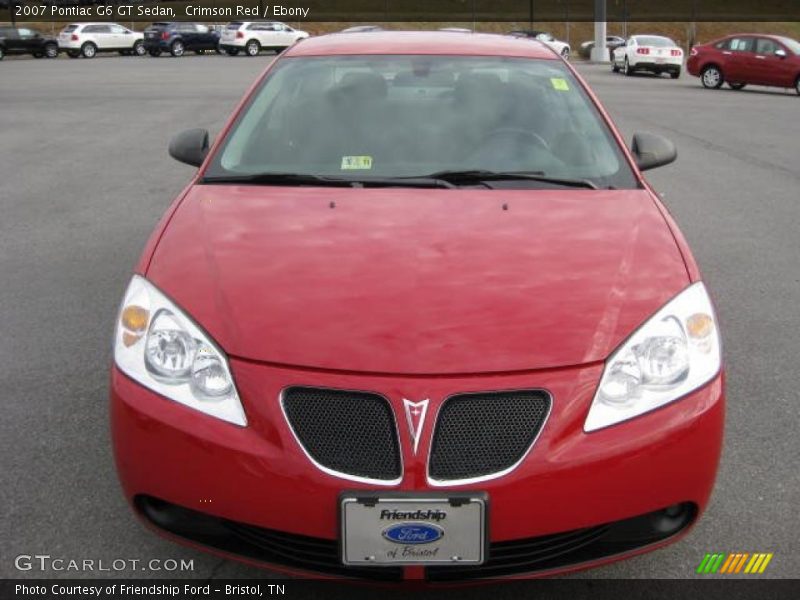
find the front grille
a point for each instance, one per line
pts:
(478, 435)
(351, 433)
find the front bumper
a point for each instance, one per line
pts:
(570, 484)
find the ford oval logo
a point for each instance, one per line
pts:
(409, 533)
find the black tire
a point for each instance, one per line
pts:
(73, 53)
(797, 85)
(2, 53)
(232, 51)
(154, 53)
(736, 86)
(177, 48)
(675, 74)
(51, 51)
(712, 77)
(88, 50)
(138, 48)
(626, 68)
(252, 48)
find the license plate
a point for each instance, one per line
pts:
(660, 60)
(412, 529)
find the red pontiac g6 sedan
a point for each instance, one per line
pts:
(743, 59)
(418, 315)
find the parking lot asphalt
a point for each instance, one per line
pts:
(84, 177)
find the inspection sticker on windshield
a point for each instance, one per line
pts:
(352, 163)
(559, 84)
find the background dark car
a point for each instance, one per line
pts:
(612, 41)
(178, 38)
(21, 40)
(747, 58)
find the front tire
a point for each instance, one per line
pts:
(797, 85)
(177, 48)
(712, 78)
(2, 53)
(253, 48)
(139, 49)
(88, 50)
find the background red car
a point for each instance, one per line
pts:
(747, 58)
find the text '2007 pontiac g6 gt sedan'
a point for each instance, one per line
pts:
(418, 315)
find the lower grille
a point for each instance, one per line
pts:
(574, 547)
(350, 433)
(485, 434)
(318, 555)
(308, 553)
(290, 550)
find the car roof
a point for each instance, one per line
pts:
(421, 42)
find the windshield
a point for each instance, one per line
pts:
(658, 42)
(791, 44)
(413, 116)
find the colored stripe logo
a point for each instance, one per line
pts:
(735, 562)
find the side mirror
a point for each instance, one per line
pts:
(780, 53)
(190, 147)
(651, 150)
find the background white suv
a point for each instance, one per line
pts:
(254, 36)
(87, 39)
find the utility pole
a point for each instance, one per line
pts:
(600, 52)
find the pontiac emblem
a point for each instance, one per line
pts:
(415, 417)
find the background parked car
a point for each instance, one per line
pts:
(561, 47)
(179, 37)
(653, 53)
(254, 36)
(749, 58)
(612, 42)
(22, 40)
(87, 39)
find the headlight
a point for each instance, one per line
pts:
(676, 351)
(156, 344)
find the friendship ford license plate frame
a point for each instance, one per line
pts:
(413, 528)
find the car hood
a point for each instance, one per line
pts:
(418, 281)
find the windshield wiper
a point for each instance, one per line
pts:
(480, 176)
(320, 180)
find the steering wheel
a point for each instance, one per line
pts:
(520, 134)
